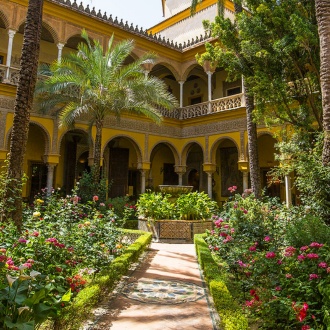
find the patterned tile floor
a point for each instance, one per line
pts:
(165, 292)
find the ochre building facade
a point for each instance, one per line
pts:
(202, 143)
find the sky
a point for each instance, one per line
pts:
(144, 13)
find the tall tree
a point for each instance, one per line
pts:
(97, 83)
(23, 105)
(323, 21)
(228, 54)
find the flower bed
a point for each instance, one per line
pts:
(278, 258)
(65, 250)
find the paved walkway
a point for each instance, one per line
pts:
(164, 293)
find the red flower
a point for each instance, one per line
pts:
(270, 255)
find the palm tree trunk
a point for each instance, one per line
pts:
(23, 105)
(323, 21)
(252, 144)
(97, 154)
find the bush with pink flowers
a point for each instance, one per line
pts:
(61, 247)
(281, 264)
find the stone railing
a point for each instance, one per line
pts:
(13, 75)
(205, 108)
(3, 70)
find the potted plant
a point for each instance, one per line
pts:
(178, 218)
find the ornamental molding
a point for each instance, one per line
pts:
(7, 103)
(215, 128)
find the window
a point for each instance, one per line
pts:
(2, 59)
(233, 91)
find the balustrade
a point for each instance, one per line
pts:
(192, 111)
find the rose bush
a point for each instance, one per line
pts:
(285, 285)
(63, 243)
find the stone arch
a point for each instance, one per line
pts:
(193, 157)
(169, 67)
(225, 156)
(135, 145)
(48, 33)
(186, 149)
(190, 68)
(174, 150)
(44, 131)
(84, 131)
(4, 19)
(163, 158)
(51, 30)
(216, 144)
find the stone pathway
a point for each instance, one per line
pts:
(164, 293)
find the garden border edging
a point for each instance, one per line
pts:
(75, 314)
(229, 312)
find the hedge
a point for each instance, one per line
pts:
(81, 307)
(231, 316)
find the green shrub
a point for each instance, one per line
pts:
(231, 315)
(72, 316)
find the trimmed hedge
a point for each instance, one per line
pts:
(230, 312)
(80, 309)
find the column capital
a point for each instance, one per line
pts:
(51, 158)
(11, 33)
(180, 169)
(210, 66)
(209, 168)
(144, 166)
(243, 165)
(181, 82)
(60, 45)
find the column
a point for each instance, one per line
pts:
(181, 82)
(180, 170)
(60, 47)
(11, 34)
(143, 181)
(245, 180)
(288, 195)
(209, 168)
(148, 64)
(209, 184)
(50, 177)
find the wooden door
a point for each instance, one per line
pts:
(118, 172)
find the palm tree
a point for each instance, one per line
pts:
(323, 20)
(98, 84)
(23, 105)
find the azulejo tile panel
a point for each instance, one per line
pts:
(157, 291)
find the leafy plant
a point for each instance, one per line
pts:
(190, 206)
(155, 205)
(28, 300)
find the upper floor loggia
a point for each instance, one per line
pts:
(200, 90)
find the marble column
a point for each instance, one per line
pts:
(60, 47)
(11, 34)
(245, 180)
(181, 82)
(143, 181)
(180, 170)
(50, 177)
(288, 194)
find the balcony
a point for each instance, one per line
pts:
(206, 108)
(236, 101)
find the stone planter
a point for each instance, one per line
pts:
(176, 229)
